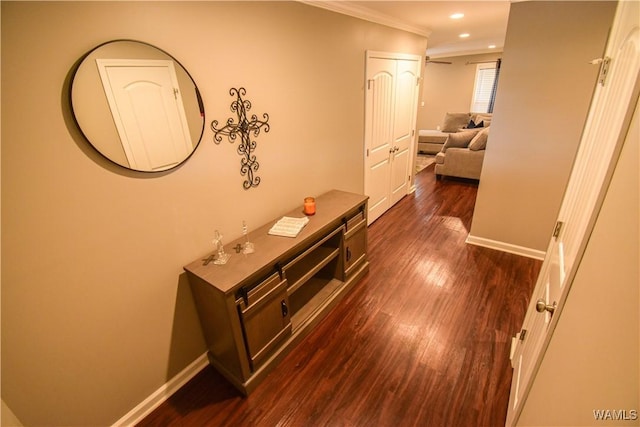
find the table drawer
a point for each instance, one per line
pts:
(265, 318)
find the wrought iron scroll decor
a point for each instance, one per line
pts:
(246, 128)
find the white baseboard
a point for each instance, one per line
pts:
(138, 413)
(505, 247)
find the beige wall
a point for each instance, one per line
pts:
(546, 84)
(96, 313)
(448, 88)
(592, 359)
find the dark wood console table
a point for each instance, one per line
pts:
(255, 308)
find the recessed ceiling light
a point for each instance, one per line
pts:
(492, 46)
(457, 15)
(464, 35)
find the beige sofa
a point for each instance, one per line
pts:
(430, 141)
(462, 154)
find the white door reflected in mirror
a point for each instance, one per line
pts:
(146, 104)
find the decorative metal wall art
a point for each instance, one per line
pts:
(246, 129)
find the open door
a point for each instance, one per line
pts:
(607, 124)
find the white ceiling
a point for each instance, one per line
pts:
(485, 21)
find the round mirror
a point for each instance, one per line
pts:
(137, 105)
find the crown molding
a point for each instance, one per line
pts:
(361, 12)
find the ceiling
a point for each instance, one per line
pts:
(484, 21)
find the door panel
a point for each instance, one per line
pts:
(404, 126)
(379, 133)
(147, 108)
(404, 119)
(379, 194)
(399, 175)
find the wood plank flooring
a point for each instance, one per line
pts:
(422, 340)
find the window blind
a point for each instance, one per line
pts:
(483, 87)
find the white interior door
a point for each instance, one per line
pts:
(404, 123)
(605, 129)
(147, 109)
(380, 96)
(390, 109)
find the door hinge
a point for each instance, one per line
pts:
(418, 81)
(522, 334)
(604, 68)
(369, 84)
(367, 152)
(557, 229)
(413, 132)
(175, 93)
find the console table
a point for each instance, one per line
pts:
(257, 306)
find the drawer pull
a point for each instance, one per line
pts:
(348, 254)
(245, 296)
(285, 309)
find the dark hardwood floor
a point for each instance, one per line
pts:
(422, 340)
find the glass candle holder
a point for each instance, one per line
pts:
(309, 206)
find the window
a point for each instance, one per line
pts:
(483, 88)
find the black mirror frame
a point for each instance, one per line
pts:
(77, 66)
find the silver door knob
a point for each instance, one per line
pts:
(542, 306)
